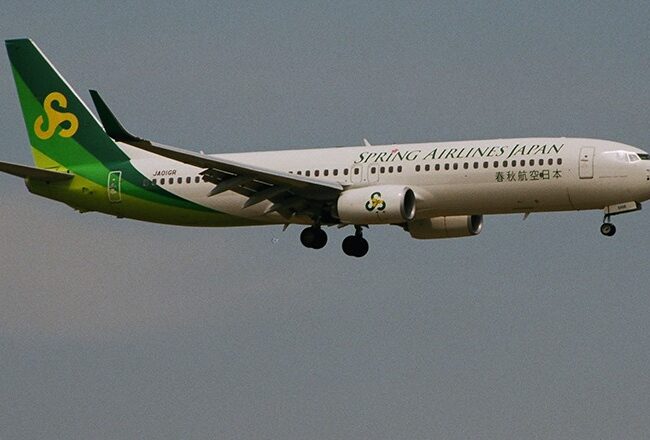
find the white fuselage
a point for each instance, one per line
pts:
(448, 178)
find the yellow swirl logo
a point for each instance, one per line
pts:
(55, 118)
(375, 202)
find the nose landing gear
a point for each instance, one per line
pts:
(607, 229)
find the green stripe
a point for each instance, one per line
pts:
(89, 152)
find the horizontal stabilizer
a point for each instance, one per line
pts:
(112, 126)
(34, 173)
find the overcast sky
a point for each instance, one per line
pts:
(540, 329)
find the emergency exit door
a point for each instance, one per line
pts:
(586, 167)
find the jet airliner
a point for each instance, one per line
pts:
(431, 190)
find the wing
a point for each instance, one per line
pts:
(290, 194)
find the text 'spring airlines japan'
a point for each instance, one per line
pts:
(431, 190)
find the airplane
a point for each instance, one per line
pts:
(431, 190)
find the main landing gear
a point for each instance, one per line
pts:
(607, 228)
(355, 245)
(313, 237)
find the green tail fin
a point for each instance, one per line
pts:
(62, 131)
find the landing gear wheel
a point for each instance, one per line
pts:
(355, 246)
(313, 237)
(607, 229)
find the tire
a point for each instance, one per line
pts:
(307, 237)
(320, 239)
(355, 246)
(607, 229)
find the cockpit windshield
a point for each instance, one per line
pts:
(627, 156)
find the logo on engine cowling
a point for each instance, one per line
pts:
(375, 202)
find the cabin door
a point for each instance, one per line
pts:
(586, 167)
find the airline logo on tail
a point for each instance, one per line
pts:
(55, 118)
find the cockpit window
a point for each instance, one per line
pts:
(618, 155)
(632, 157)
(644, 156)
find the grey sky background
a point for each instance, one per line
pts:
(115, 329)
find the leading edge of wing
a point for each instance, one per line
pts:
(25, 171)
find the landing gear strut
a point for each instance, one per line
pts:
(607, 228)
(313, 237)
(355, 245)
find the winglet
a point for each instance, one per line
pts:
(112, 126)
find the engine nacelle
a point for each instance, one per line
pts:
(446, 227)
(373, 205)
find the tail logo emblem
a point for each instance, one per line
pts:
(375, 202)
(56, 118)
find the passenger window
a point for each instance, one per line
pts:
(346, 171)
(326, 172)
(514, 163)
(390, 169)
(466, 165)
(399, 168)
(505, 164)
(382, 170)
(446, 166)
(162, 181)
(541, 162)
(171, 180)
(455, 165)
(356, 171)
(316, 173)
(307, 173)
(550, 161)
(437, 167)
(188, 179)
(475, 165)
(335, 172)
(373, 170)
(417, 168)
(299, 173)
(559, 161)
(485, 164)
(532, 162)
(523, 163)
(496, 164)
